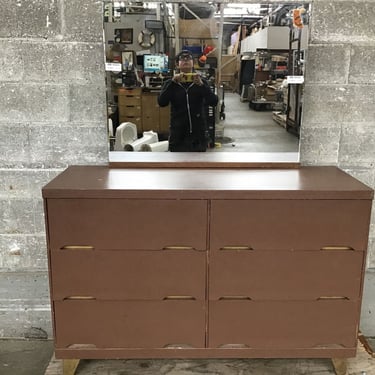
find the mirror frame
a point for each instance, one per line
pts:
(119, 159)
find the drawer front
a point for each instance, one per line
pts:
(287, 275)
(150, 123)
(119, 275)
(144, 324)
(290, 224)
(130, 92)
(277, 324)
(150, 106)
(134, 119)
(132, 224)
(129, 100)
(164, 119)
(129, 110)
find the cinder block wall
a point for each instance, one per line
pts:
(339, 112)
(52, 114)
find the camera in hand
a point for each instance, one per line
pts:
(187, 77)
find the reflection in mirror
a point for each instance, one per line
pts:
(252, 56)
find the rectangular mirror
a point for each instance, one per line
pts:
(252, 54)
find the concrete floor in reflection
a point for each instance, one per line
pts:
(252, 131)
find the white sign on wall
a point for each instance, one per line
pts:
(113, 67)
(294, 79)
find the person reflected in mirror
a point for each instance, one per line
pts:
(188, 93)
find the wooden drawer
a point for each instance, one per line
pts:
(150, 123)
(137, 91)
(290, 224)
(133, 224)
(130, 110)
(134, 119)
(286, 275)
(119, 275)
(164, 119)
(278, 324)
(136, 324)
(129, 100)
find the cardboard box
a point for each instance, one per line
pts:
(197, 29)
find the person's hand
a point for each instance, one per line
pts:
(177, 78)
(197, 80)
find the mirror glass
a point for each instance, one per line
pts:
(253, 57)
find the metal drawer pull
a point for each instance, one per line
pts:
(178, 346)
(231, 298)
(179, 298)
(178, 248)
(234, 346)
(77, 247)
(337, 248)
(79, 298)
(82, 346)
(236, 248)
(325, 298)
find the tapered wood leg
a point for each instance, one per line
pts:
(340, 365)
(70, 366)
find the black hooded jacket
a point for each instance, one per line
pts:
(188, 118)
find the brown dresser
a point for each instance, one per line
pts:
(142, 109)
(130, 106)
(195, 263)
(154, 117)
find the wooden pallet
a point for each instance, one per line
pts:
(363, 363)
(279, 118)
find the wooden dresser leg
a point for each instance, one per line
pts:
(70, 366)
(340, 365)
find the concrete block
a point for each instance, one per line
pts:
(23, 253)
(24, 286)
(338, 104)
(39, 222)
(88, 103)
(343, 21)
(17, 216)
(327, 63)
(14, 144)
(11, 63)
(319, 145)
(357, 144)
(20, 183)
(58, 145)
(33, 102)
(17, 321)
(83, 20)
(362, 64)
(30, 18)
(367, 324)
(370, 261)
(63, 62)
(325, 104)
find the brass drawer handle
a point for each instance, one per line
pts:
(178, 248)
(77, 247)
(82, 346)
(236, 248)
(86, 298)
(178, 346)
(231, 298)
(330, 298)
(234, 346)
(337, 248)
(179, 298)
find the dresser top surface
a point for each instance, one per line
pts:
(301, 183)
